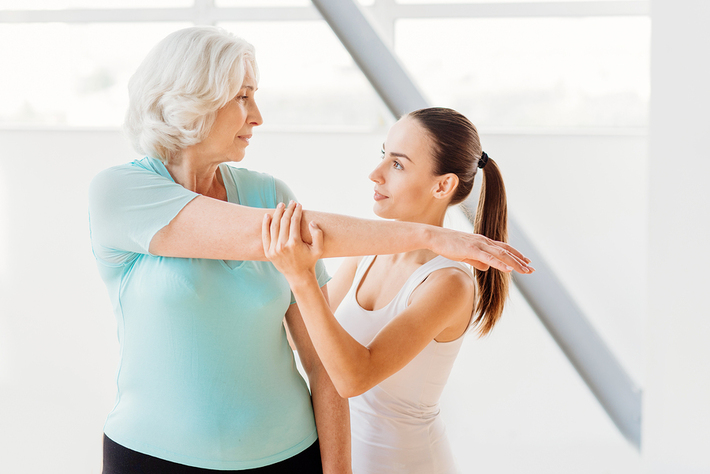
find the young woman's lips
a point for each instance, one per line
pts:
(379, 197)
(245, 138)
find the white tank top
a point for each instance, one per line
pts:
(395, 425)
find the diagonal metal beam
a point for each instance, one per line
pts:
(585, 349)
(580, 342)
(372, 55)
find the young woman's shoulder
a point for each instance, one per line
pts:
(449, 293)
(454, 276)
(447, 284)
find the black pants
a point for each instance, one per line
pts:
(121, 460)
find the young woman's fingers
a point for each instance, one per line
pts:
(266, 234)
(276, 224)
(317, 238)
(286, 223)
(295, 232)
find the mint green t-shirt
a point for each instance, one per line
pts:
(206, 375)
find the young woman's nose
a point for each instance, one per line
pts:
(375, 176)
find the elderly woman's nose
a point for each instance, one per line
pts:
(255, 116)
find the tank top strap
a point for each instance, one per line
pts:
(422, 273)
(362, 268)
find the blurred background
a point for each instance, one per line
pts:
(562, 95)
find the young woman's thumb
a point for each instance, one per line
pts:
(316, 236)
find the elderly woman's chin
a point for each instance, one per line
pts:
(236, 156)
(236, 153)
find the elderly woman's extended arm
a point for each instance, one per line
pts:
(209, 228)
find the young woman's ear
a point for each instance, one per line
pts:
(445, 186)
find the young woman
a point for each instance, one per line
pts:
(401, 318)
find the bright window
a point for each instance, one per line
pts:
(308, 79)
(533, 72)
(63, 4)
(72, 74)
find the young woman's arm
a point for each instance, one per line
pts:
(341, 282)
(210, 228)
(444, 300)
(331, 410)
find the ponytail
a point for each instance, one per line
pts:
(491, 221)
(457, 149)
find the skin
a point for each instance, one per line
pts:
(439, 309)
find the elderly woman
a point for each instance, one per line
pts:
(207, 380)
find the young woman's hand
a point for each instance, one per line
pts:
(283, 245)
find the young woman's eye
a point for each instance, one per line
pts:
(382, 154)
(397, 165)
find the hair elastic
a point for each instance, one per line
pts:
(483, 160)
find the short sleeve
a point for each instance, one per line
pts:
(284, 194)
(128, 205)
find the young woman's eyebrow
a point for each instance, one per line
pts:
(398, 155)
(401, 155)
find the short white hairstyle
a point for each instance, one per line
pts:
(178, 88)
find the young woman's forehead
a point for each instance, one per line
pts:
(407, 136)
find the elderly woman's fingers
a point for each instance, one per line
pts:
(478, 265)
(515, 259)
(513, 250)
(496, 256)
(484, 261)
(508, 259)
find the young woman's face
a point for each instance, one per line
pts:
(233, 125)
(405, 180)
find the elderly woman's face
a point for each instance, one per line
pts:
(233, 125)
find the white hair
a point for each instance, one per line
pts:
(178, 88)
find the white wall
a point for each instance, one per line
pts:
(676, 433)
(514, 403)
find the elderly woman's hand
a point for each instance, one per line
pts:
(283, 245)
(479, 251)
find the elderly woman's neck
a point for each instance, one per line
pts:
(202, 178)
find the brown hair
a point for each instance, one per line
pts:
(457, 149)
